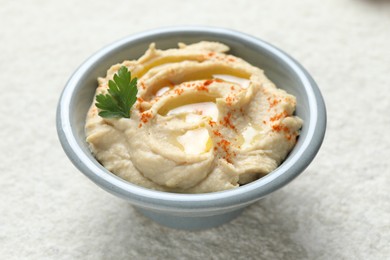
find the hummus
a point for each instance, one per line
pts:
(204, 121)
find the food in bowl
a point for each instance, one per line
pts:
(203, 121)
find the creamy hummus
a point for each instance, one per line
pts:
(204, 121)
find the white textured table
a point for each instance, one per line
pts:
(339, 208)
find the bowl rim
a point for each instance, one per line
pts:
(242, 195)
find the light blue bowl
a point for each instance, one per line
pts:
(192, 211)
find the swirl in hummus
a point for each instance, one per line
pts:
(204, 121)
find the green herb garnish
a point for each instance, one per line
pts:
(122, 94)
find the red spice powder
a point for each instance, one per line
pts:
(274, 103)
(179, 91)
(227, 121)
(145, 117)
(232, 88)
(208, 82)
(143, 85)
(229, 100)
(224, 144)
(278, 116)
(227, 158)
(217, 133)
(139, 105)
(212, 123)
(202, 88)
(277, 128)
(280, 127)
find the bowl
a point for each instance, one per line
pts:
(192, 211)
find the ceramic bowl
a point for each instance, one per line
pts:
(192, 211)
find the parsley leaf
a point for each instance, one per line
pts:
(122, 94)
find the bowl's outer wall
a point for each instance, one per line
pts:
(82, 85)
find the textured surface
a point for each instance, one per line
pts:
(338, 209)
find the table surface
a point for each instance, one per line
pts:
(339, 208)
